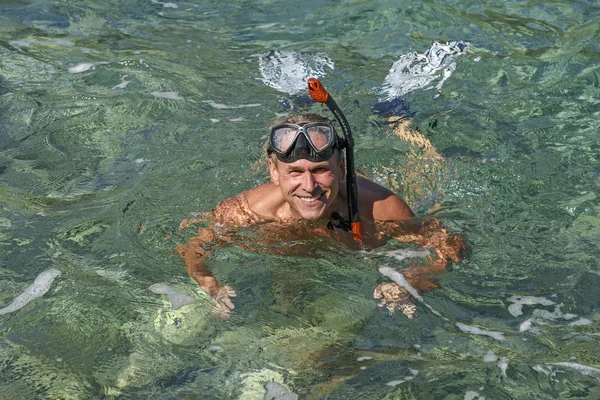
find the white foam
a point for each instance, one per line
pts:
(516, 309)
(395, 383)
(22, 43)
(28, 42)
(123, 83)
(415, 71)
(478, 331)
(170, 5)
(414, 373)
(167, 95)
(581, 322)
(525, 326)
(540, 316)
(219, 106)
(62, 42)
(472, 395)
(543, 370)
(584, 369)
(267, 26)
(490, 357)
(403, 254)
(554, 315)
(503, 365)
(81, 68)
(288, 71)
(364, 358)
(177, 299)
(38, 288)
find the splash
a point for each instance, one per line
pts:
(288, 71)
(40, 287)
(415, 71)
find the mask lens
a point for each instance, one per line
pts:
(282, 138)
(321, 136)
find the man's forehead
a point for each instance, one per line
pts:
(306, 164)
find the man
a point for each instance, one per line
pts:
(307, 191)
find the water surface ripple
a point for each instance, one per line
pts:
(120, 119)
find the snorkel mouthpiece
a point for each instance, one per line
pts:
(320, 95)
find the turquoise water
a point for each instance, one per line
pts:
(118, 120)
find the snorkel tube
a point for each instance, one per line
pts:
(320, 95)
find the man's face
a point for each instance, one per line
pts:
(310, 188)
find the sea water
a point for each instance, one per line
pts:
(120, 119)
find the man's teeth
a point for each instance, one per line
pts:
(310, 199)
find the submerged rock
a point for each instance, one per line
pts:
(177, 299)
(276, 391)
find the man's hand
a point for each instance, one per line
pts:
(223, 304)
(395, 297)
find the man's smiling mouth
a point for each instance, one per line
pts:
(310, 199)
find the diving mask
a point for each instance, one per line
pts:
(313, 141)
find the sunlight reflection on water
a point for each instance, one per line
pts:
(120, 120)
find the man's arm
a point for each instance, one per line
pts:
(230, 214)
(194, 256)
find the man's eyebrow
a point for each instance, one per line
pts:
(320, 165)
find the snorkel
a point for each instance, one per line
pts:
(320, 95)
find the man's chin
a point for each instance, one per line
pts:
(312, 213)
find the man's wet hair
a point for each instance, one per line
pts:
(305, 117)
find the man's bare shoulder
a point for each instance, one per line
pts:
(383, 203)
(264, 200)
(246, 208)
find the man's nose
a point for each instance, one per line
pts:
(308, 181)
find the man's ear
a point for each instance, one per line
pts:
(274, 172)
